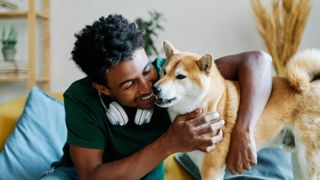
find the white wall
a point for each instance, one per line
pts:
(215, 26)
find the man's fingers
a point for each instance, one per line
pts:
(211, 116)
(232, 171)
(245, 162)
(209, 127)
(253, 163)
(189, 116)
(203, 129)
(203, 142)
(246, 166)
(204, 119)
(199, 122)
(208, 144)
(217, 125)
(241, 170)
(254, 159)
(217, 137)
(207, 149)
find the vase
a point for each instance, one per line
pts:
(9, 54)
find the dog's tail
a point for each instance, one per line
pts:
(303, 68)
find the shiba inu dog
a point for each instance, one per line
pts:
(191, 81)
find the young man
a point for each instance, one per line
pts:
(114, 129)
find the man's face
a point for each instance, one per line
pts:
(130, 82)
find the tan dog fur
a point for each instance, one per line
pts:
(294, 106)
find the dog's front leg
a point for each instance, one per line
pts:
(296, 169)
(216, 175)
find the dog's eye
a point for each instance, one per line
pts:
(180, 76)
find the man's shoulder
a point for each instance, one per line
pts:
(82, 86)
(158, 63)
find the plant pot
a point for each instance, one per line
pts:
(9, 54)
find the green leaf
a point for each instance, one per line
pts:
(150, 29)
(9, 40)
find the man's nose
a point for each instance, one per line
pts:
(145, 85)
(156, 89)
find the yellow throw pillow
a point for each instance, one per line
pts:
(173, 170)
(10, 112)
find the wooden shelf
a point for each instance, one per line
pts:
(31, 15)
(21, 14)
(10, 78)
(42, 80)
(21, 77)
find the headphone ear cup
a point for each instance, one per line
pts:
(148, 115)
(112, 118)
(143, 116)
(116, 114)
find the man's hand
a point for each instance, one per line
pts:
(191, 132)
(242, 152)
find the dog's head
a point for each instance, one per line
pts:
(184, 81)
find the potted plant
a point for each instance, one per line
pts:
(150, 30)
(9, 41)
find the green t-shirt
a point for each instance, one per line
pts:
(89, 127)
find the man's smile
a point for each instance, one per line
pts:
(147, 97)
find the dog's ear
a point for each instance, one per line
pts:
(205, 63)
(168, 49)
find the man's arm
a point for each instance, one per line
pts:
(185, 134)
(253, 70)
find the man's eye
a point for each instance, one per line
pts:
(127, 85)
(180, 76)
(147, 69)
(164, 72)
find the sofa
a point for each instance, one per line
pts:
(33, 132)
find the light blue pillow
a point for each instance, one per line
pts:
(37, 139)
(273, 164)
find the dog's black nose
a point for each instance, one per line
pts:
(156, 90)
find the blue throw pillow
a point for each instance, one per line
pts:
(273, 164)
(37, 139)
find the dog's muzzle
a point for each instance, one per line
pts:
(160, 101)
(164, 102)
(156, 90)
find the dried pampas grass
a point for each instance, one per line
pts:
(8, 5)
(282, 28)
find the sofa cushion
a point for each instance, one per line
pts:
(273, 163)
(173, 170)
(37, 139)
(10, 112)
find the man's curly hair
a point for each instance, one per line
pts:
(104, 44)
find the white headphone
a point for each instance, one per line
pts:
(117, 116)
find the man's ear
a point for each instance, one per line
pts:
(101, 88)
(205, 63)
(168, 49)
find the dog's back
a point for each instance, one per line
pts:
(295, 105)
(291, 116)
